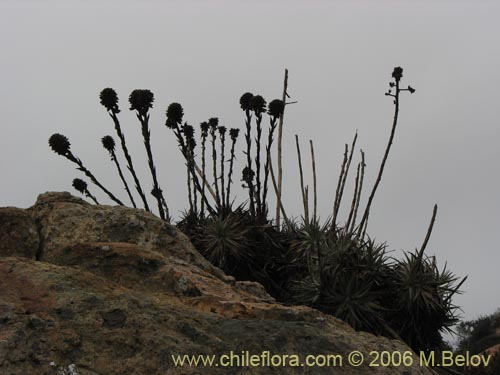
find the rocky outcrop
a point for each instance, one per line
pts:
(110, 290)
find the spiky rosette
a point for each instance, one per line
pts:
(108, 143)
(109, 99)
(276, 108)
(59, 144)
(245, 100)
(223, 242)
(141, 100)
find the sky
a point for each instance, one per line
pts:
(58, 55)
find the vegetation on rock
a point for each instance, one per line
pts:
(333, 266)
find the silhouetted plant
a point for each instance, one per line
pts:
(258, 105)
(213, 123)
(141, 101)
(61, 145)
(222, 137)
(81, 186)
(246, 106)
(109, 99)
(275, 110)
(330, 266)
(397, 74)
(109, 144)
(204, 133)
(233, 134)
(175, 113)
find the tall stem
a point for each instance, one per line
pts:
(214, 165)
(258, 192)
(280, 150)
(270, 139)
(130, 165)
(222, 161)
(229, 177)
(158, 194)
(384, 160)
(89, 174)
(248, 138)
(120, 173)
(303, 189)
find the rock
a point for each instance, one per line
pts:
(66, 220)
(106, 301)
(18, 233)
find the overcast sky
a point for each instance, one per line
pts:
(57, 56)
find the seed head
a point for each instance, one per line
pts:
(258, 104)
(59, 144)
(213, 123)
(108, 143)
(233, 133)
(247, 175)
(222, 130)
(245, 101)
(204, 128)
(80, 185)
(188, 131)
(109, 99)
(141, 101)
(276, 108)
(175, 113)
(397, 74)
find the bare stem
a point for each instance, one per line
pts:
(384, 160)
(315, 191)
(303, 189)
(130, 165)
(280, 150)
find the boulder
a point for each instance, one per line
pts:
(119, 292)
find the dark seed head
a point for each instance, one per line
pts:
(175, 113)
(213, 123)
(222, 130)
(245, 101)
(141, 101)
(108, 143)
(411, 89)
(80, 185)
(276, 108)
(258, 104)
(59, 144)
(204, 128)
(109, 99)
(188, 131)
(247, 175)
(233, 133)
(397, 74)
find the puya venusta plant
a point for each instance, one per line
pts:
(109, 100)
(333, 266)
(61, 146)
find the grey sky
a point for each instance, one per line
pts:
(57, 56)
